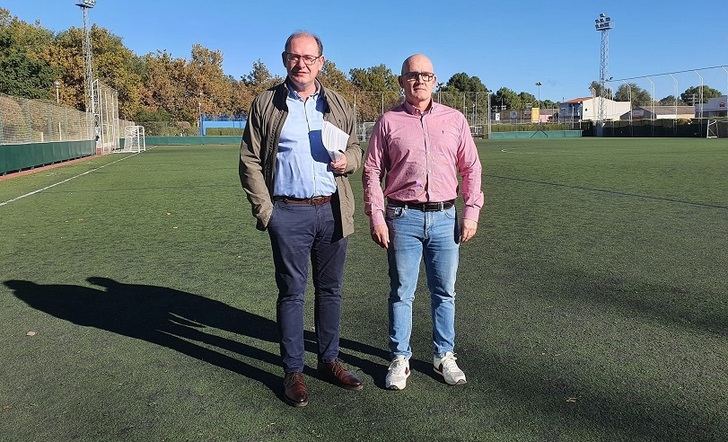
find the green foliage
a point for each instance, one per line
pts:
(639, 96)
(670, 100)
(462, 82)
(374, 79)
(528, 99)
(692, 94)
(153, 115)
(23, 71)
(595, 88)
(223, 131)
(507, 127)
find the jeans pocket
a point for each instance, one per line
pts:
(451, 213)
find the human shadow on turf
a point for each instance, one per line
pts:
(180, 321)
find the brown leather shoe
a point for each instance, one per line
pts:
(294, 389)
(337, 373)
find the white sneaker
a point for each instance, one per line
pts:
(449, 370)
(397, 374)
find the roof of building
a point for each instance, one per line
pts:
(578, 100)
(668, 110)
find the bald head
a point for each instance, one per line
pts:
(417, 81)
(416, 63)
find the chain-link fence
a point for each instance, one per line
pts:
(36, 121)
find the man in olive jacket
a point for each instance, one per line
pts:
(303, 198)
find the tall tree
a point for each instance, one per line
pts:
(377, 90)
(113, 64)
(206, 76)
(375, 78)
(638, 95)
(165, 89)
(692, 94)
(462, 82)
(506, 98)
(24, 71)
(527, 99)
(596, 88)
(260, 78)
(331, 76)
(670, 101)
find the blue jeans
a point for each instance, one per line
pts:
(414, 234)
(300, 234)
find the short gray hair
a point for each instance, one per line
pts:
(304, 34)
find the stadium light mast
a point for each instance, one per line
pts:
(538, 85)
(603, 24)
(57, 85)
(85, 5)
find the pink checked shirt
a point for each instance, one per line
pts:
(420, 155)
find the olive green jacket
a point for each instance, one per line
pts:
(260, 144)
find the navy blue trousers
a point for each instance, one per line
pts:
(299, 234)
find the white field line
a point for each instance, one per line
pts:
(65, 181)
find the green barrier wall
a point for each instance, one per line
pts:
(190, 141)
(535, 134)
(15, 157)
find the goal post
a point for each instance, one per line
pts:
(134, 140)
(717, 129)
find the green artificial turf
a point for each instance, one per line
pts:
(592, 304)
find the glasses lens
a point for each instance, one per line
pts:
(295, 58)
(423, 76)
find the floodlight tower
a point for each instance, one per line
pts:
(603, 24)
(85, 5)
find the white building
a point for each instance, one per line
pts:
(661, 112)
(587, 108)
(715, 107)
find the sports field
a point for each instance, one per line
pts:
(137, 302)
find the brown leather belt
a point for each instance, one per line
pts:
(315, 201)
(424, 207)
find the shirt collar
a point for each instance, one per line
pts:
(414, 111)
(292, 93)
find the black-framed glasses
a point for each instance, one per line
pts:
(308, 60)
(422, 76)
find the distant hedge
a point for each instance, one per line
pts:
(223, 131)
(506, 127)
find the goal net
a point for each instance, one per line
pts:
(717, 129)
(134, 140)
(365, 130)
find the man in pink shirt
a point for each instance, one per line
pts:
(419, 148)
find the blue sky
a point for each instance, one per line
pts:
(512, 44)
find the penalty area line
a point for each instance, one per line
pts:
(64, 181)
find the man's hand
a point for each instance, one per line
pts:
(380, 235)
(339, 166)
(468, 227)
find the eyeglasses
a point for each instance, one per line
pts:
(422, 76)
(308, 60)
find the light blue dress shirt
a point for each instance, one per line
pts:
(302, 162)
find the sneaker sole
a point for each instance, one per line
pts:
(460, 382)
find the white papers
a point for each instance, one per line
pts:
(334, 140)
